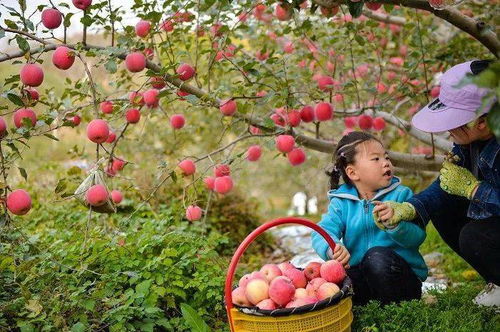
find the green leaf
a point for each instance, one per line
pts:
(360, 40)
(23, 173)
(22, 4)
(142, 289)
(23, 44)
(2, 33)
(11, 24)
(86, 20)
(61, 186)
(356, 8)
(173, 176)
(78, 327)
(15, 99)
(193, 319)
(67, 19)
(51, 137)
(111, 66)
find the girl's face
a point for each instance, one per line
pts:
(372, 168)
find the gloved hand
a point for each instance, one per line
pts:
(457, 180)
(388, 215)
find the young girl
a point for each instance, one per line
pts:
(464, 202)
(381, 259)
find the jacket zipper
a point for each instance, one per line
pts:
(365, 206)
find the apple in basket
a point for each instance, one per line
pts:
(282, 285)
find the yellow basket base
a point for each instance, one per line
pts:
(335, 318)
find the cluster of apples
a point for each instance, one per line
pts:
(284, 286)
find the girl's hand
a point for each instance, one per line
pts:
(382, 212)
(389, 214)
(341, 255)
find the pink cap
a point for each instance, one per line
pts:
(459, 102)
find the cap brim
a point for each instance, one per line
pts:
(444, 119)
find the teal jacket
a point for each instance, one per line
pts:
(349, 221)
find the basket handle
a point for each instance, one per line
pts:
(250, 238)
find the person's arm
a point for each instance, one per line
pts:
(433, 198)
(487, 197)
(332, 223)
(406, 233)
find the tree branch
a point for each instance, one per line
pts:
(384, 17)
(473, 27)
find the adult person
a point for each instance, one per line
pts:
(464, 202)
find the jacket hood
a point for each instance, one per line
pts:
(350, 192)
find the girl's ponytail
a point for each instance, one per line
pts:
(334, 175)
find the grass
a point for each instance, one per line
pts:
(450, 310)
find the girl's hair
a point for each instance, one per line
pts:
(344, 155)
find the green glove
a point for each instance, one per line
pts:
(457, 180)
(401, 211)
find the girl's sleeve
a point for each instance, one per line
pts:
(407, 234)
(332, 223)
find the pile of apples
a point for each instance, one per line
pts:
(284, 286)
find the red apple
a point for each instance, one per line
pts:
(296, 276)
(323, 111)
(193, 213)
(116, 196)
(223, 184)
(19, 202)
(63, 57)
(106, 107)
(82, 4)
(281, 290)
(254, 152)
(135, 62)
(97, 195)
(333, 271)
(350, 121)
(151, 97)
(239, 298)
(285, 143)
(3, 128)
(378, 123)
(228, 107)
(365, 122)
(22, 113)
(271, 271)
(133, 115)
(142, 28)
(158, 82)
(76, 120)
(51, 18)
(222, 170)
(98, 131)
(327, 290)
(257, 290)
(296, 156)
(325, 83)
(187, 166)
(177, 121)
(185, 71)
(111, 137)
(312, 270)
(307, 113)
(31, 74)
(283, 12)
